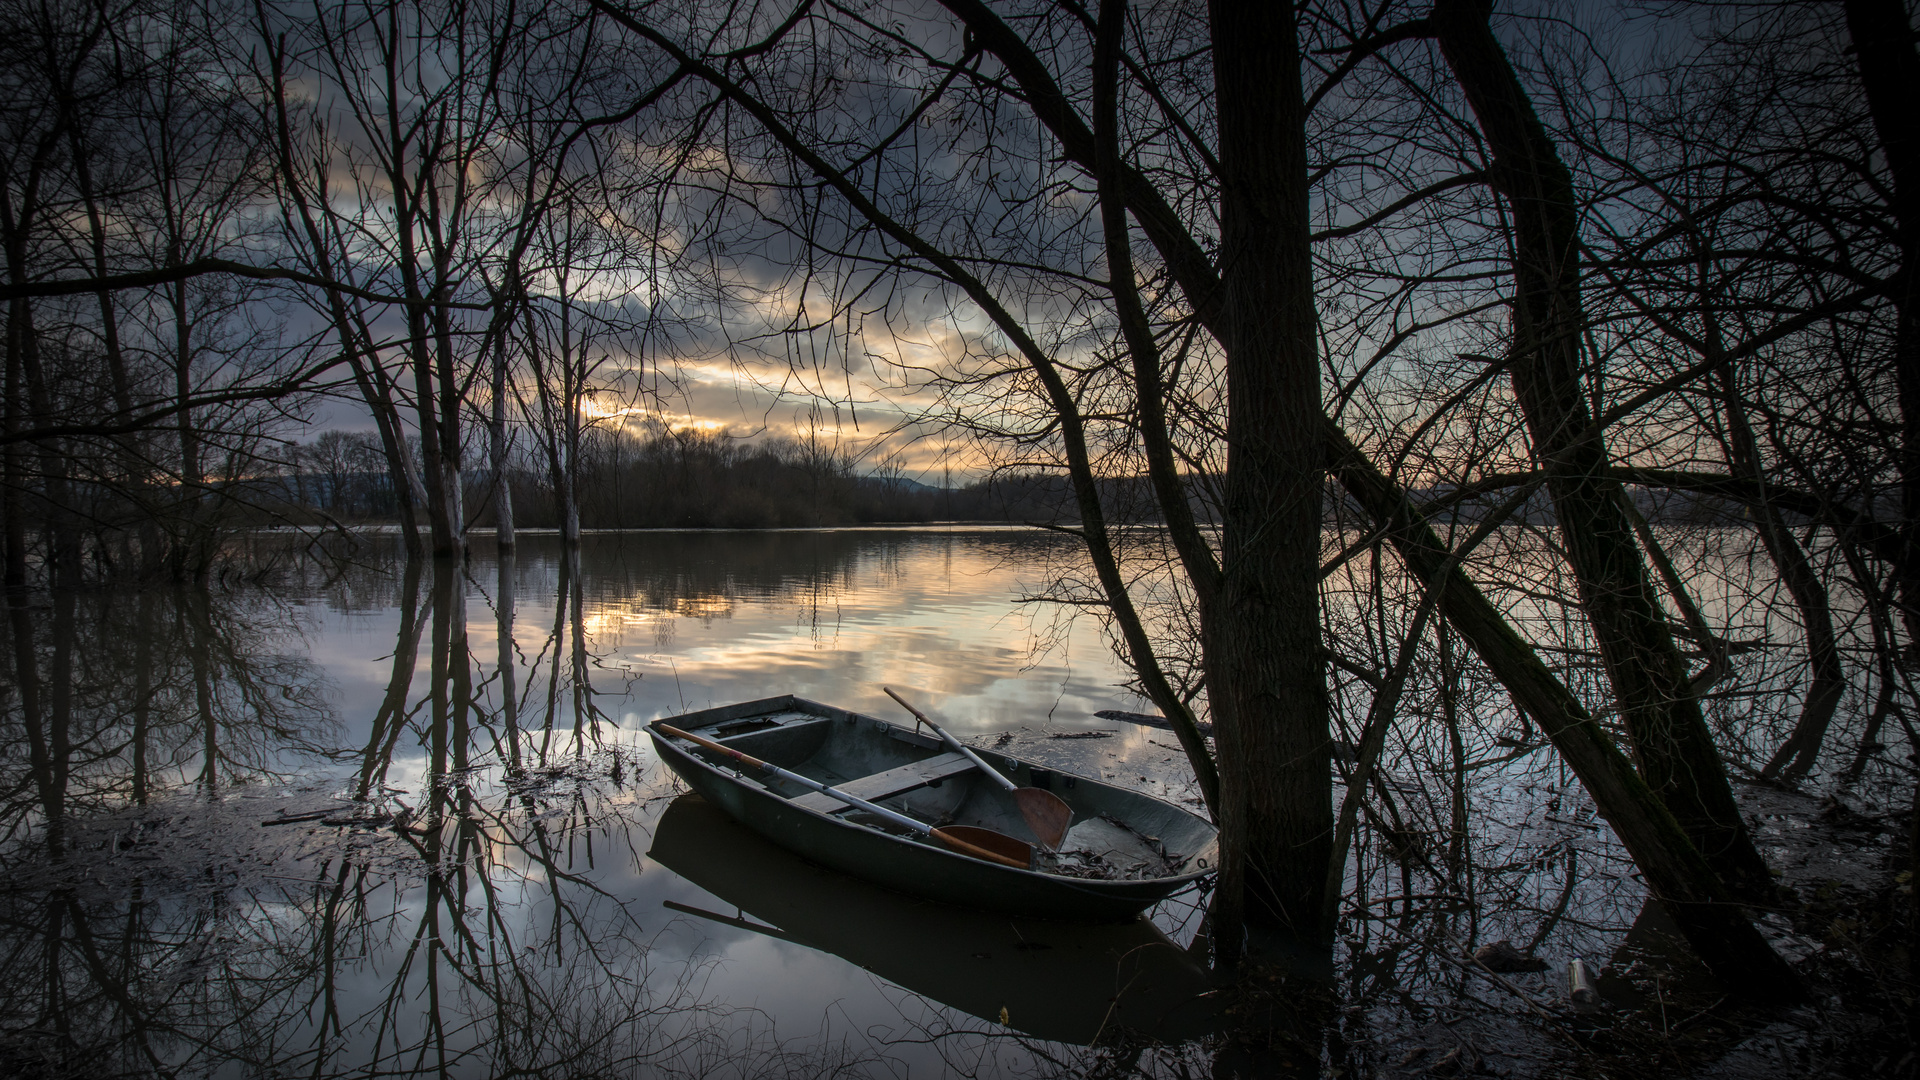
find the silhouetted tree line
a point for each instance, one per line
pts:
(678, 478)
(689, 478)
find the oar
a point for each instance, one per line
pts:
(965, 839)
(1046, 813)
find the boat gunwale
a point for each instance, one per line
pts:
(1162, 886)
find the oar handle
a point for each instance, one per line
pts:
(804, 781)
(952, 743)
(907, 705)
(742, 758)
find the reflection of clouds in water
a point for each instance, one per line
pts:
(709, 618)
(565, 909)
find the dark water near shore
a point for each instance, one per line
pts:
(216, 901)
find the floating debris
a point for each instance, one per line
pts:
(1148, 720)
(1580, 988)
(296, 819)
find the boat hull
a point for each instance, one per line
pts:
(920, 869)
(1065, 981)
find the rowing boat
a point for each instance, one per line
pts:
(1071, 982)
(1124, 852)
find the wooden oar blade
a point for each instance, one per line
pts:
(986, 844)
(1047, 815)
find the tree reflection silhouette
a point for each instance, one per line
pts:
(391, 716)
(220, 698)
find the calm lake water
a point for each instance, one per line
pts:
(574, 915)
(256, 873)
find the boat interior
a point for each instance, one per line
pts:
(1116, 834)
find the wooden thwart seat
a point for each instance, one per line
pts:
(885, 785)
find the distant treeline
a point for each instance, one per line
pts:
(682, 478)
(688, 478)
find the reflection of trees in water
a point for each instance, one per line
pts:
(704, 574)
(479, 940)
(656, 578)
(118, 694)
(508, 706)
(562, 665)
(484, 950)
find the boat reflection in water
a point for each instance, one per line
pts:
(1060, 981)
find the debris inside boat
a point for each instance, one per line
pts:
(1107, 849)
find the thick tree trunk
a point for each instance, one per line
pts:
(1676, 872)
(1913, 901)
(1883, 45)
(440, 454)
(1671, 740)
(1266, 676)
(450, 495)
(570, 476)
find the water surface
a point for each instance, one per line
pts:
(266, 828)
(220, 905)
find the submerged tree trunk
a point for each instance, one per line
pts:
(1266, 678)
(504, 612)
(143, 631)
(1797, 754)
(392, 714)
(450, 689)
(586, 721)
(196, 628)
(1671, 740)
